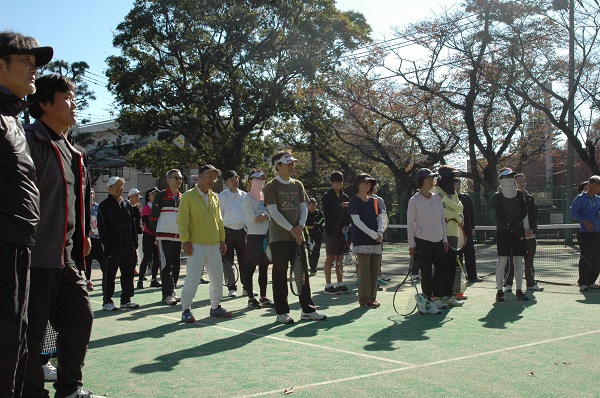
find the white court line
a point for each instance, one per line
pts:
(411, 367)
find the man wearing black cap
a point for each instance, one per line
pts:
(19, 206)
(232, 211)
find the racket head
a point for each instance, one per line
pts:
(460, 278)
(49, 341)
(231, 273)
(457, 243)
(298, 272)
(404, 302)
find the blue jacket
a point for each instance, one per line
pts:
(586, 207)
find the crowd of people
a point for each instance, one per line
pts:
(52, 230)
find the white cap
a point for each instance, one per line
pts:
(134, 191)
(113, 181)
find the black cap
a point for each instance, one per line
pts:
(43, 55)
(425, 173)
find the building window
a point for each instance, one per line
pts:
(119, 171)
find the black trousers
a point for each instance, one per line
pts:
(123, 258)
(282, 253)
(235, 239)
(448, 285)
(313, 256)
(150, 250)
(433, 265)
(14, 296)
(170, 265)
(58, 295)
(467, 258)
(97, 253)
(589, 261)
(256, 256)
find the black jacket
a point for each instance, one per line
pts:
(531, 211)
(336, 216)
(503, 222)
(20, 199)
(468, 213)
(116, 226)
(54, 248)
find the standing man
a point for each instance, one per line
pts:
(203, 236)
(314, 228)
(335, 210)
(285, 199)
(58, 292)
(232, 211)
(586, 211)
(20, 56)
(468, 252)
(163, 219)
(116, 227)
(530, 223)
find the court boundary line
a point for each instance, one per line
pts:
(411, 367)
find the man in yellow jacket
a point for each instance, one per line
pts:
(203, 236)
(453, 209)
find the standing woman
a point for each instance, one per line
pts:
(149, 245)
(427, 241)
(367, 235)
(257, 222)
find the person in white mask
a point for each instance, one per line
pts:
(511, 208)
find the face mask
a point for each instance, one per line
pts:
(508, 187)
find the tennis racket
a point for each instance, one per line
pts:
(460, 278)
(267, 248)
(231, 272)
(49, 341)
(404, 300)
(299, 271)
(457, 243)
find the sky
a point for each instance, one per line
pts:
(83, 31)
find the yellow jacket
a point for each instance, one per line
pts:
(453, 209)
(198, 222)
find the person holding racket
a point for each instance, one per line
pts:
(285, 199)
(585, 209)
(257, 222)
(367, 235)
(427, 241)
(453, 209)
(511, 208)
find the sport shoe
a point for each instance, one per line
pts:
(312, 316)
(187, 316)
(313, 273)
(204, 281)
(169, 300)
(452, 302)
(177, 298)
(245, 293)
(460, 296)
(583, 288)
(90, 286)
(330, 289)
(342, 289)
(535, 288)
(475, 280)
(421, 303)
(521, 296)
(220, 312)
(381, 282)
(49, 372)
(253, 303)
(109, 307)
(431, 308)
(155, 283)
(232, 293)
(594, 286)
(285, 318)
(508, 288)
(379, 288)
(83, 394)
(140, 284)
(499, 296)
(384, 277)
(266, 303)
(130, 304)
(440, 303)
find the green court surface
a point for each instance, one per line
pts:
(546, 347)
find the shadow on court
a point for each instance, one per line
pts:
(506, 312)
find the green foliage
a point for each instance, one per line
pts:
(158, 157)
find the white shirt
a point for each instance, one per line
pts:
(232, 210)
(425, 219)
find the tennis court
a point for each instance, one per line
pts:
(543, 347)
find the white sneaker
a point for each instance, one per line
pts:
(312, 316)
(83, 394)
(130, 304)
(583, 288)
(49, 372)
(170, 300)
(245, 293)
(285, 318)
(432, 308)
(452, 302)
(508, 288)
(109, 307)
(535, 288)
(232, 293)
(421, 303)
(440, 303)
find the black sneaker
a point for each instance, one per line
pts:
(499, 296)
(521, 296)
(155, 283)
(331, 290)
(253, 303)
(266, 303)
(342, 289)
(140, 285)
